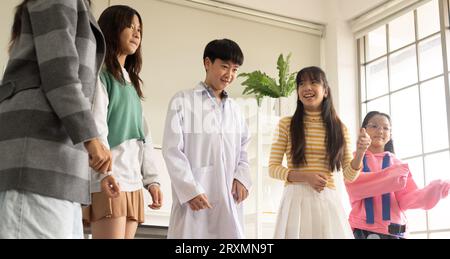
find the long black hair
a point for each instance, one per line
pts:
(335, 140)
(17, 23)
(390, 145)
(112, 22)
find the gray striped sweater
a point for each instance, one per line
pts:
(42, 129)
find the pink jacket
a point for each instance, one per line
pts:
(396, 180)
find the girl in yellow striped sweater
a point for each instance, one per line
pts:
(316, 144)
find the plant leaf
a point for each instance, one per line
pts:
(283, 72)
(260, 83)
(291, 83)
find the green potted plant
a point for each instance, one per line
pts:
(260, 84)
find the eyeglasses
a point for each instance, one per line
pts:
(371, 126)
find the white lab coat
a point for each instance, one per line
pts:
(204, 148)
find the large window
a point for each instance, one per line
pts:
(404, 72)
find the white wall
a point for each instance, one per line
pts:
(340, 64)
(98, 6)
(340, 56)
(7, 16)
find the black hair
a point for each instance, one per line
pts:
(224, 49)
(390, 145)
(112, 22)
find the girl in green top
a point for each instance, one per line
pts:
(118, 114)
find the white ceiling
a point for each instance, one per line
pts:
(311, 10)
(354, 8)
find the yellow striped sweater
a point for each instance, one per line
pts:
(316, 155)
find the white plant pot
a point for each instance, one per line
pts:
(284, 106)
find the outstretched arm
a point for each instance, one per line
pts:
(372, 184)
(414, 198)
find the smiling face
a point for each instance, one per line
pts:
(311, 92)
(130, 37)
(220, 74)
(379, 130)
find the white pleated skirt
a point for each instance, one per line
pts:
(306, 214)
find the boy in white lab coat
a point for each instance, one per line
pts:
(204, 148)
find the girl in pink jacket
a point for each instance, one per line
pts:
(385, 188)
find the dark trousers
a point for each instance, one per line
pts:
(365, 234)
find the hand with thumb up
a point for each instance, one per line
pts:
(363, 142)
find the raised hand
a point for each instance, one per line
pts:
(363, 142)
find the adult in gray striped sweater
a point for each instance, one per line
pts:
(46, 123)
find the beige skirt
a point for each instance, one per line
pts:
(128, 204)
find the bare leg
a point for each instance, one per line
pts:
(109, 228)
(131, 228)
